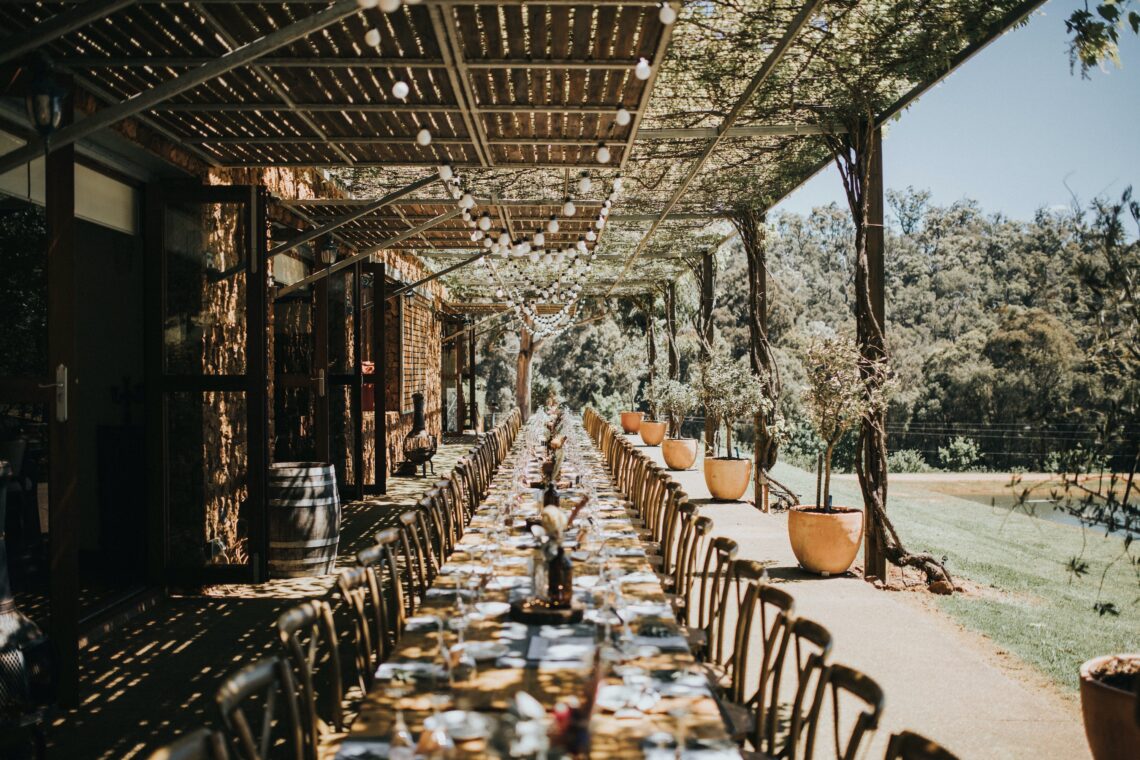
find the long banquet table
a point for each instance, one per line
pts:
(550, 663)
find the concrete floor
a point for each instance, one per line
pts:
(940, 680)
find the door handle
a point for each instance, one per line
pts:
(60, 386)
(320, 378)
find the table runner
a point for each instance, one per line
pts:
(552, 663)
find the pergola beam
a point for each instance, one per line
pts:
(242, 56)
(643, 104)
(758, 79)
(443, 23)
(15, 45)
(339, 222)
(256, 107)
(363, 62)
(435, 275)
(365, 253)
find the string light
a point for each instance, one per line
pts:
(642, 70)
(539, 238)
(400, 89)
(585, 183)
(423, 138)
(485, 221)
(668, 14)
(389, 6)
(552, 225)
(603, 154)
(372, 38)
(623, 117)
(445, 171)
(569, 209)
(366, 4)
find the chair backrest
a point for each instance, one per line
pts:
(721, 551)
(360, 593)
(381, 557)
(765, 616)
(311, 645)
(429, 526)
(810, 648)
(841, 683)
(271, 680)
(415, 567)
(697, 530)
(907, 745)
(201, 744)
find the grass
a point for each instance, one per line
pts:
(1030, 604)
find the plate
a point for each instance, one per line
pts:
(492, 609)
(486, 650)
(461, 725)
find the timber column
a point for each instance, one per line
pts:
(874, 559)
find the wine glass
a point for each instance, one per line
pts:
(401, 746)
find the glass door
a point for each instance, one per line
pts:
(207, 381)
(300, 390)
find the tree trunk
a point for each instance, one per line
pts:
(855, 154)
(706, 277)
(749, 222)
(651, 352)
(671, 330)
(825, 495)
(527, 346)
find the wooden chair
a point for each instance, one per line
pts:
(700, 617)
(201, 744)
(359, 591)
(840, 682)
(693, 537)
(415, 567)
(907, 745)
(271, 681)
(388, 589)
(309, 638)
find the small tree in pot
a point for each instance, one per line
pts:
(676, 399)
(825, 539)
(729, 392)
(652, 428)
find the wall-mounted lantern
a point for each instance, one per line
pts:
(328, 252)
(44, 101)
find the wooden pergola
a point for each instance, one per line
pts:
(728, 107)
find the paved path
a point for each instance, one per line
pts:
(940, 680)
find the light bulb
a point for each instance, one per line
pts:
(569, 209)
(642, 70)
(591, 235)
(584, 183)
(400, 88)
(618, 183)
(366, 4)
(445, 172)
(582, 245)
(552, 225)
(467, 201)
(559, 257)
(623, 117)
(525, 246)
(466, 215)
(539, 239)
(547, 258)
(499, 293)
(504, 238)
(372, 38)
(667, 14)
(533, 257)
(423, 138)
(476, 236)
(488, 243)
(485, 221)
(389, 6)
(600, 222)
(603, 154)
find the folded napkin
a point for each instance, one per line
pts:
(641, 576)
(411, 667)
(363, 749)
(572, 648)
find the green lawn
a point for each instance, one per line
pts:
(1038, 610)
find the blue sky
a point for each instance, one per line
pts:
(1013, 126)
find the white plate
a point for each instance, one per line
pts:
(492, 609)
(462, 725)
(486, 650)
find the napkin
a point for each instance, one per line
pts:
(571, 648)
(411, 667)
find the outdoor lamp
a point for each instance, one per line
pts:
(623, 116)
(389, 6)
(400, 89)
(504, 238)
(467, 201)
(445, 171)
(584, 183)
(372, 38)
(667, 14)
(485, 221)
(642, 70)
(618, 182)
(552, 225)
(603, 154)
(328, 252)
(568, 209)
(45, 102)
(423, 138)
(539, 238)
(591, 235)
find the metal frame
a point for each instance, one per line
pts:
(15, 45)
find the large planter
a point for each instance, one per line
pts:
(631, 421)
(679, 453)
(1108, 706)
(727, 479)
(652, 433)
(825, 542)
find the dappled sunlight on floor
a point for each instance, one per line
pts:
(155, 678)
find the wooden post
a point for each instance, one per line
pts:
(380, 380)
(459, 347)
(471, 378)
(63, 484)
(357, 380)
(708, 291)
(874, 558)
(321, 368)
(671, 329)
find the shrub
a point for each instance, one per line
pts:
(730, 392)
(907, 460)
(960, 454)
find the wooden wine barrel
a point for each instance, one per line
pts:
(304, 519)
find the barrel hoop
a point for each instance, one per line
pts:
(320, 501)
(300, 562)
(303, 544)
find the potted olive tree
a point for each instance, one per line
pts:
(825, 538)
(729, 392)
(652, 428)
(675, 400)
(1109, 688)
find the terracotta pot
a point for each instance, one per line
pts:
(825, 542)
(652, 433)
(727, 479)
(679, 453)
(1109, 713)
(631, 421)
